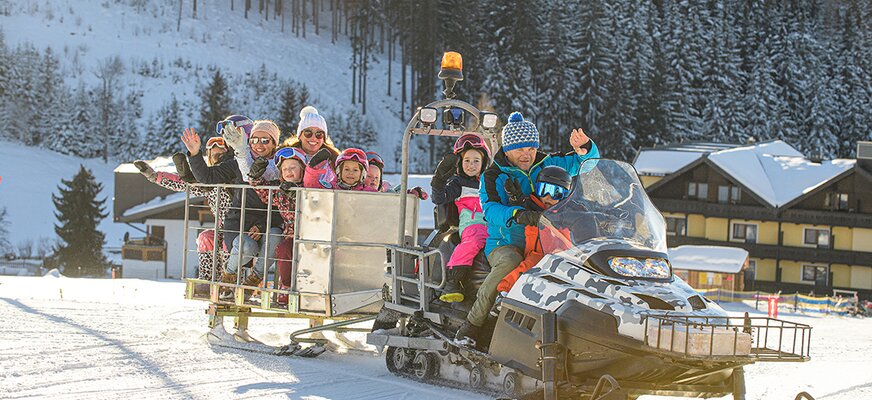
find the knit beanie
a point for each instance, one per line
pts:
(309, 118)
(519, 133)
(269, 127)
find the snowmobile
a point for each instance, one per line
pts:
(600, 316)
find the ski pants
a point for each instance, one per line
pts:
(502, 260)
(252, 248)
(472, 240)
(284, 261)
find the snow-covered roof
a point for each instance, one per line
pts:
(160, 164)
(667, 159)
(775, 171)
(728, 260)
(157, 204)
(662, 162)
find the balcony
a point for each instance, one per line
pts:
(720, 210)
(819, 255)
(144, 249)
(736, 211)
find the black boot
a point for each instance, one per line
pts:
(183, 168)
(467, 333)
(454, 285)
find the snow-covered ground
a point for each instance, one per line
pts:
(87, 338)
(91, 338)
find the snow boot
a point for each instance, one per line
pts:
(454, 285)
(227, 293)
(498, 304)
(252, 280)
(466, 334)
(183, 168)
(282, 298)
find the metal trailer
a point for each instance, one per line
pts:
(338, 265)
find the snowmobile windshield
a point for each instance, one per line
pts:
(607, 205)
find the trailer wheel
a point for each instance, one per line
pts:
(476, 378)
(738, 383)
(512, 385)
(397, 360)
(425, 366)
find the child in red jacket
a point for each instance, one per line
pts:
(552, 185)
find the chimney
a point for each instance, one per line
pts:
(864, 155)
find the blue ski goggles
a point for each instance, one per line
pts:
(233, 123)
(549, 189)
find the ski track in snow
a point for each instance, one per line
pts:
(85, 348)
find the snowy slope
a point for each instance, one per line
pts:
(31, 175)
(98, 338)
(85, 33)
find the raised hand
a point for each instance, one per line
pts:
(146, 170)
(445, 170)
(192, 141)
(578, 139)
(233, 137)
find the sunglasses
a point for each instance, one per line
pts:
(235, 124)
(308, 134)
(262, 140)
(549, 189)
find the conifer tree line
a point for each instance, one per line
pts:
(641, 73)
(38, 107)
(630, 73)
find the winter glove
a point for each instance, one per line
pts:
(183, 168)
(453, 189)
(319, 157)
(444, 171)
(146, 170)
(529, 218)
(258, 167)
(233, 138)
(287, 186)
(419, 193)
(513, 189)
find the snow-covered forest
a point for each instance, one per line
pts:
(630, 73)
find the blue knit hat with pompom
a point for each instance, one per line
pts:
(519, 133)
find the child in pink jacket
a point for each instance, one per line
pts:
(351, 166)
(457, 179)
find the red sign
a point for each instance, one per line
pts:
(773, 307)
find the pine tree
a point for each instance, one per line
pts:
(50, 86)
(288, 112)
(215, 105)
(80, 251)
(5, 246)
(164, 135)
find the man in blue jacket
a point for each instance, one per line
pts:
(518, 162)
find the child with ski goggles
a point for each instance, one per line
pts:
(349, 172)
(291, 163)
(457, 180)
(553, 184)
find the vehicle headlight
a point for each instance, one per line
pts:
(640, 268)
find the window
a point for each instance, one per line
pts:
(745, 233)
(752, 268)
(676, 226)
(836, 201)
(816, 273)
(723, 194)
(697, 190)
(728, 194)
(816, 237)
